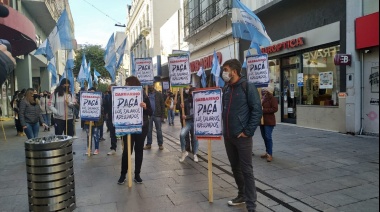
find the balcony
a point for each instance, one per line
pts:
(145, 28)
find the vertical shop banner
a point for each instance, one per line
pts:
(90, 105)
(326, 80)
(257, 70)
(127, 115)
(144, 70)
(179, 70)
(300, 79)
(208, 113)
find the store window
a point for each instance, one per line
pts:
(320, 77)
(274, 76)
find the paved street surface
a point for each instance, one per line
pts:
(312, 170)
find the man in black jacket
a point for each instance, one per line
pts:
(107, 105)
(241, 116)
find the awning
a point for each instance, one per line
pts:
(19, 31)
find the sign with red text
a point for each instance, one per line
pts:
(127, 114)
(144, 70)
(208, 113)
(179, 70)
(257, 70)
(90, 105)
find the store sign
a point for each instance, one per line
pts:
(342, 59)
(289, 44)
(205, 62)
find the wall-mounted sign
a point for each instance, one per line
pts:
(342, 59)
(289, 44)
(205, 62)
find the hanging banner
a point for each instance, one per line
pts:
(144, 70)
(127, 115)
(325, 80)
(90, 105)
(179, 70)
(257, 70)
(208, 113)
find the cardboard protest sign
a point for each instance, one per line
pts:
(90, 105)
(258, 70)
(208, 113)
(127, 115)
(144, 70)
(179, 70)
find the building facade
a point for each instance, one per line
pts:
(31, 24)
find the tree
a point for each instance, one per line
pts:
(95, 54)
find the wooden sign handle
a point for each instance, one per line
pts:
(129, 160)
(182, 108)
(210, 183)
(89, 139)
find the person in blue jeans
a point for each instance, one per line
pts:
(30, 114)
(189, 127)
(170, 104)
(158, 106)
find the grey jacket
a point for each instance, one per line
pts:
(29, 113)
(241, 109)
(59, 108)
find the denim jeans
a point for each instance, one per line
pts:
(47, 118)
(157, 123)
(185, 131)
(171, 116)
(266, 133)
(32, 130)
(239, 152)
(95, 135)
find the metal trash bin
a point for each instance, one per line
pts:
(50, 173)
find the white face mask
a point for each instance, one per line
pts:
(226, 76)
(187, 91)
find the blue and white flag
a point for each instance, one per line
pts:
(245, 59)
(89, 82)
(89, 76)
(247, 26)
(45, 49)
(120, 53)
(70, 60)
(82, 75)
(216, 71)
(133, 64)
(62, 36)
(52, 69)
(110, 49)
(111, 67)
(96, 75)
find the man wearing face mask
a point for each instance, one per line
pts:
(241, 116)
(158, 106)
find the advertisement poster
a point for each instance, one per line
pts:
(300, 79)
(144, 70)
(127, 115)
(90, 105)
(179, 70)
(325, 80)
(257, 70)
(208, 113)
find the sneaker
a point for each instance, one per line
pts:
(96, 151)
(102, 139)
(196, 158)
(121, 180)
(138, 179)
(183, 157)
(112, 152)
(237, 201)
(161, 147)
(146, 147)
(264, 155)
(269, 158)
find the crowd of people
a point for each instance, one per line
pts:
(250, 110)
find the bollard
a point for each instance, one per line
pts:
(50, 173)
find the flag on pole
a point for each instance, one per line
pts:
(82, 75)
(89, 81)
(96, 75)
(247, 26)
(110, 49)
(111, 67)
(62, 36)
(216, 71)
(133, 64)
(52, 69)
(45, 49)
(245, 60)
(89, 76)
(120, 53)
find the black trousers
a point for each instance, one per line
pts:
(112, 134)
(137, 143)
(60, 127)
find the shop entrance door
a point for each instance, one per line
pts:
(289, 91)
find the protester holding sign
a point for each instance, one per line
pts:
(241, 116)
(108, 115)
(270, 107)
(189, 127)
(137, 140)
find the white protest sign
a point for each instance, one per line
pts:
(208, 113)
(325, 80)
(179, 70)
(257, 70)
(127, 115)
(90, 105)
(144, 70)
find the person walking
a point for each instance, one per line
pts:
(188, 128)
(158, 107)
(241, 116)
(62, 105)
(107, 105)
(170, 105)
(16, 109)
(30, 114)
(270, 107)
(137, 140)
(46, 112)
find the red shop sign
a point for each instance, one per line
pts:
(205, 62)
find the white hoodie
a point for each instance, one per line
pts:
(57, 106)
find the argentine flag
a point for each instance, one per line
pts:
(62, 36)
(82, 75)
(247, 26)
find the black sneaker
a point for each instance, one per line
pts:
(237, 201)
(138, 179)
(121, 180)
